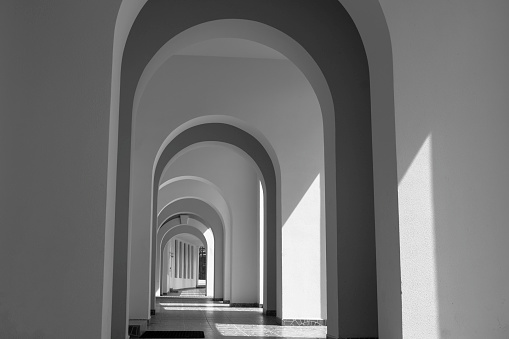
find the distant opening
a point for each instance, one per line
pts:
(202, 264)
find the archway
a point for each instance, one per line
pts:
(173, 225)
(352, 109)
(175, 231)
(207, 215)
(234, 136)
(196, 188)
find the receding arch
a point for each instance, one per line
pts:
(325, 54)
(232, 135)
(227, 120)
(209, 216)
(199, 188)
(174, 231)
(161, 232)
(176, 221)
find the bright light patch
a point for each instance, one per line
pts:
(261, 242)
(209, 237)
(244, 330)
(193, 305)
(301, 256)
(417, 239)
(214, 308)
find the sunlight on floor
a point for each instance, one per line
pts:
(193, 304)
(218, 320)
(243, 330)
(219, 308)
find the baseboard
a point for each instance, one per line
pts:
(271, 313)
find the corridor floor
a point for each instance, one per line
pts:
(218, 320)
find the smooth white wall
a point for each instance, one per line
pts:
(235, 176)
(451, 84)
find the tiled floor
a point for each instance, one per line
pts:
(218, 320)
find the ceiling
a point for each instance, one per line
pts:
(233, 48)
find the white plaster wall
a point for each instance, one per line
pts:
(54, 114)
(451, 85)
(237, 179)
(274, 98)
(302, 253)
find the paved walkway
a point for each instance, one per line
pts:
(218, 320)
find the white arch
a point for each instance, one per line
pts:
(264, 166)
(370, 20)
(198, 208)
(114, 324)
(199, 188)
(228, 120)
(168, 232)
(248, 30)
(284, 44)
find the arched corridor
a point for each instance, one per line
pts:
(242, 69)
(244, 168)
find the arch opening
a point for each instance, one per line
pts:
(207, 215)
(194, 188)
(344, 121)
(232, 135)
(168, 277)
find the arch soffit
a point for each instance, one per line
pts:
(210, 193)
(368, 17)
(239, 151)
(183, 229)
(275, 32)
(167, 227)
(197, 209)
(226, 120)
(246, 30)
(229, 135)
(191, 221)
(219, 133)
